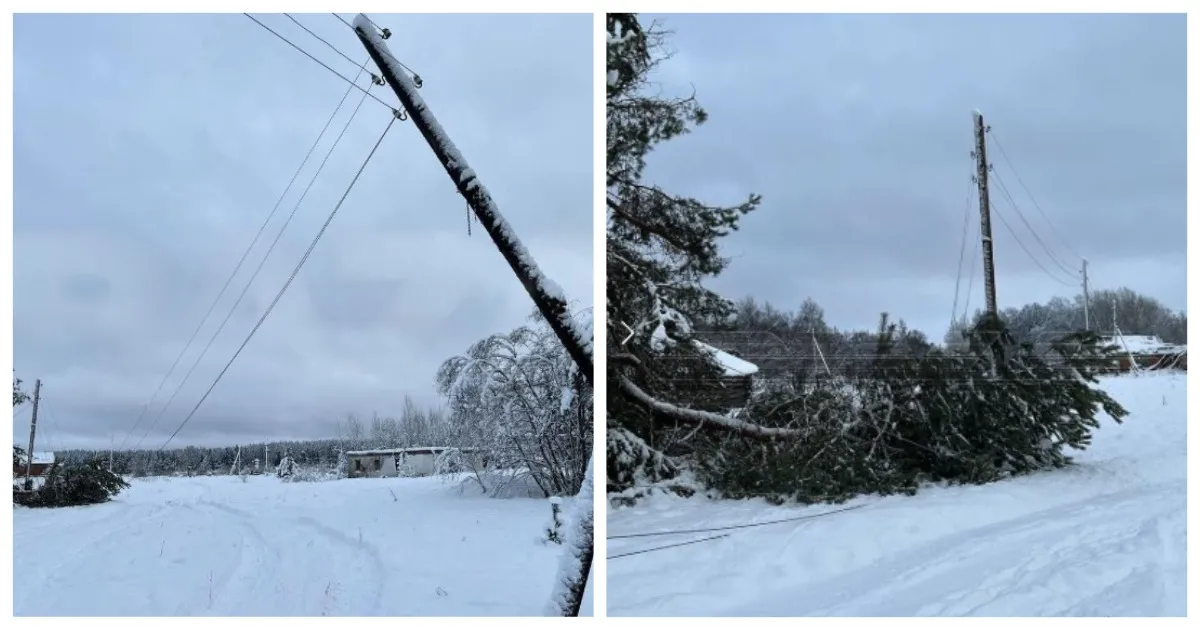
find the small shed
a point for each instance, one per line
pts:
(42, 461)
(419, 461)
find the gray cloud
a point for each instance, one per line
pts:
(857, 131)
(149, 149)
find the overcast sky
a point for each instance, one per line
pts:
(149, 150)
(857, 131)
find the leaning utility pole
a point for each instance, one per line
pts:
(546, 295)
(985, 212)
(1087, 314)
(37, 394)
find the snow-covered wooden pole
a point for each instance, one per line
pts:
(547, 295)
(575, 563)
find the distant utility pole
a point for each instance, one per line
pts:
(985, 212)
(37, 394)
(1087, 314)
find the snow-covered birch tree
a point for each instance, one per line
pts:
(520, 398)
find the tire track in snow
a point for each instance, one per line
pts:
(1057, 561)
(332, 594)
(41, 573)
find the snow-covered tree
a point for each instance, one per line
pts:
(287, 466)
(519, 398)
(661, 248)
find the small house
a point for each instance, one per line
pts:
(42, 461)
(407, 462)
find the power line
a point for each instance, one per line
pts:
(262, 262)
(236, 269)
(1046, 248)
(1004, 156)
(1037, 262)
(397, 112)
(704, 530)
(971, 279)
(962, 250)
(53, 423)
(362, 66)
(682, 544)
(288, 283)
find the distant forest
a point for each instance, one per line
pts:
(414, 427)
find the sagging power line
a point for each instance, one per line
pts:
(1013, 168)
(286, 284)
(266, 256)
(228, 281)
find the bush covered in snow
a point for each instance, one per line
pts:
(308, 474)
(74, 484)
(287, 467)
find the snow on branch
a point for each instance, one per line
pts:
(696, 416)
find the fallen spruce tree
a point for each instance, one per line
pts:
(994, 411)
(72, 484)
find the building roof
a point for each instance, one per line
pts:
(731, 365)
(413, 450)
(1143, 344)
(41, 457)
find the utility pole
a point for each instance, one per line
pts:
(110, 452)
(545, 294)
(1087, 314)
(985, 212)
(37, 394)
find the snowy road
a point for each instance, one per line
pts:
(217, 546)
(1104, 538)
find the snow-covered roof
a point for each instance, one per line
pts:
(1143, 344)
(396, 451)
(731, 365)
(41, 457)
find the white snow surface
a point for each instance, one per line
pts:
(219, 546)
(1105, 537)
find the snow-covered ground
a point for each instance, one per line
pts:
(1106, 537)
(220, 546)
